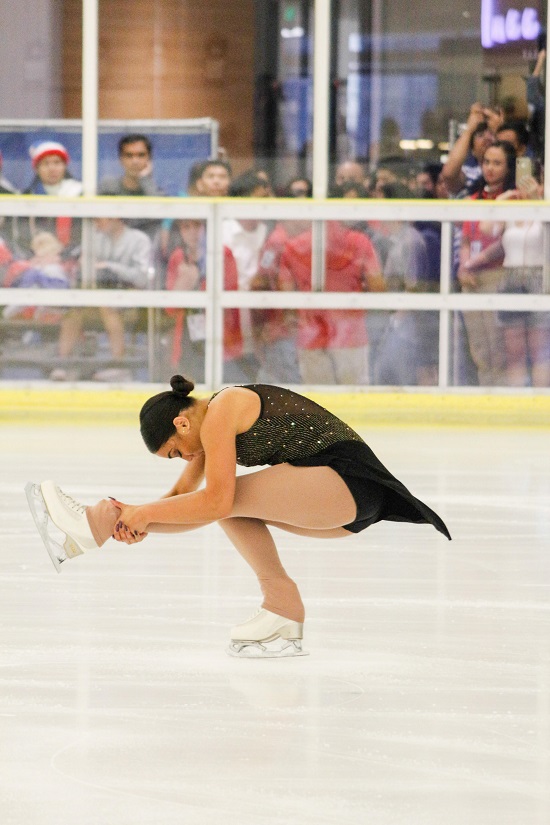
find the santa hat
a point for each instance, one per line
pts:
(48, 147)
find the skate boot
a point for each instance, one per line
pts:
(267, 636)
(61, 522)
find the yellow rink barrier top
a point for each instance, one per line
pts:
(361, 409)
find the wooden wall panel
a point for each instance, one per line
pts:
(170, 59)
(71, 70)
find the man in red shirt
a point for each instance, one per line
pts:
(332, 343)
(274, 330)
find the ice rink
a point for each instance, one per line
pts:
(425, 700)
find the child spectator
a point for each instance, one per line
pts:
(50, 162)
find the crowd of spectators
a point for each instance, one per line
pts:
(309, 346)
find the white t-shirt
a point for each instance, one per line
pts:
(246, 247)
(68, 188)
(523, 244)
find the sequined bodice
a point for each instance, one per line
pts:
(289, 427)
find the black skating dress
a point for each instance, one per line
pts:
(296, 430)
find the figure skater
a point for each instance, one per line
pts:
(324, 482)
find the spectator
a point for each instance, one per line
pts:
(264, 176)
(516, 133)
(135, 153)
(194, 175)
(374, 230)
(349, 189)
(215, 179)
(480, 267)
(250, 184)
(349, 170)
(333, 344)
(408, 348)
(168, 237)
(407, 260)
(298, 187)
(274, 330)
(122, 256)
(50, 161)
(426, 180)
(398, 171)
(245, 238)
(462, 170)
(187, 271)
(208, 178)
(45, 270)
(526, 335)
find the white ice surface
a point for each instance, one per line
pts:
(425, 700)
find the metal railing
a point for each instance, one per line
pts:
(216, 299)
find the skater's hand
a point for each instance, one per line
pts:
(131, 525)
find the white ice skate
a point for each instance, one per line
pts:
(267, 636)
(61, 522)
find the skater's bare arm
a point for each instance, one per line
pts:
(190, 479)
(215, 501)
(452, 170)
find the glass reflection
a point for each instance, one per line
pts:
(506, 348)
(523, 338)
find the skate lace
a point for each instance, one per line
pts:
(70, 502)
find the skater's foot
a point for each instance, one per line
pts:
(267, 635)
(52, 508)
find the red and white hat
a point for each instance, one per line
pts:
(48, 147)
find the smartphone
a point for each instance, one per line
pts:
(524, 168)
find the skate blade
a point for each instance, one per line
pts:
(45, 526)
(276, 649)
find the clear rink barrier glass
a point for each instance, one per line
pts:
(117, 339)
(307, 302)
(356, 197)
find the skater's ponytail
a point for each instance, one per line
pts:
(157, 414)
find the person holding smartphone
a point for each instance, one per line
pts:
(525, 335)
(480, 267)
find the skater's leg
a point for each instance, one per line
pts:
(302, 497)
(305, 500)
(310, 532)
(311, 497)
(85, 527)
(103, 516)
(254, 542)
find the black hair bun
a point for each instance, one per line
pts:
(181, 386)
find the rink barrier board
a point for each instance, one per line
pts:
(121, 407)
